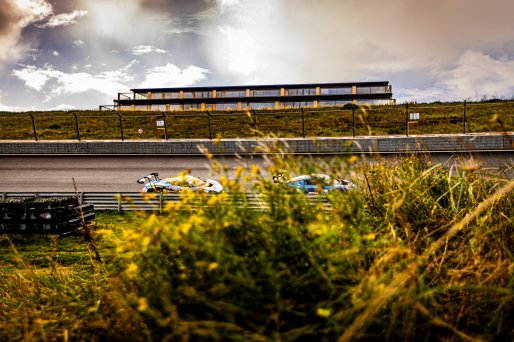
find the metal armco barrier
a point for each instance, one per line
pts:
(125, 201)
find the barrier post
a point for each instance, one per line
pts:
(353, 120)
(464, 119)
(121, 126)
(407, 119)
(77, 126)
(34, 125)
(254, 118)
(210, 129)
(165, 126)
(303, 123)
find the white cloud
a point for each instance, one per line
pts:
(64, 106)
(223, 4)
(64, 19)
(144, 49)
(170, 75)
(108, 83)
(33, 11)
(35, 77)
(55, 53)
(78, 43)
(477, 74)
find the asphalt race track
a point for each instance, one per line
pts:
(54, 173)
(97, 173)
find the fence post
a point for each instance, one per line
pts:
(160, 202)
(407, 119)
(165, 126)
(254, 119)
(303, 123)
(121, 126)
(210, 129)
(77, 126)
(464, 119)
(353, 120)
(33, 125)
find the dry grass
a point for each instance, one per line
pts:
(435, 118)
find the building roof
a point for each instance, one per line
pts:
(265, 86)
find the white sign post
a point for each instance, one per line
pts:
(160, 123)
(414, 116)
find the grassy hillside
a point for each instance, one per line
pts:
(417, 252)
(435, 118)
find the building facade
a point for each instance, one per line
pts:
(246, 97)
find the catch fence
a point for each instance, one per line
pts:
(350, 121)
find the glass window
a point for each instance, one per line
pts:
(261, 105)
(188, 95)
(159, 107)
(203, 94)
(226, 106)
(172, 95)
(300, 91)
(266, 92)
(142, 107)
(192, 106)
(325, 103)
(175, 106)
(140, 96)
(234, 93)
(336, 91)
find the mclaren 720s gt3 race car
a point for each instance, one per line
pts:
(152, 183)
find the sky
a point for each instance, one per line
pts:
(78, 54)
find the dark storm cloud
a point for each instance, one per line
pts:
(9, 17)
(179, 7)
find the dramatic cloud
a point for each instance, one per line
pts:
(477, 74)
(429, 50)
(171, 76)
(71, 83)
(144, 49)
(64, 19)
(15, 16)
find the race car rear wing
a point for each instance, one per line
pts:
(148, 178)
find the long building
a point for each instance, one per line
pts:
(278, 96)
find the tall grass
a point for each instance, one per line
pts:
(417, 252)
(435, 118)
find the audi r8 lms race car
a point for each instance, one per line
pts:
(315, 183)
(152, 183)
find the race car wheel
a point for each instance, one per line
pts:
(145, 189)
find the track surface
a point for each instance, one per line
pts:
(119, 173)
(95, 173)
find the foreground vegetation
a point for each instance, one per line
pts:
(418, 252)
(435, 118)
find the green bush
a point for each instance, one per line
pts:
(418, 252)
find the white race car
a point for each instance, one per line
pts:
(152, 183)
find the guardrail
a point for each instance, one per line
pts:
(136, 201)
